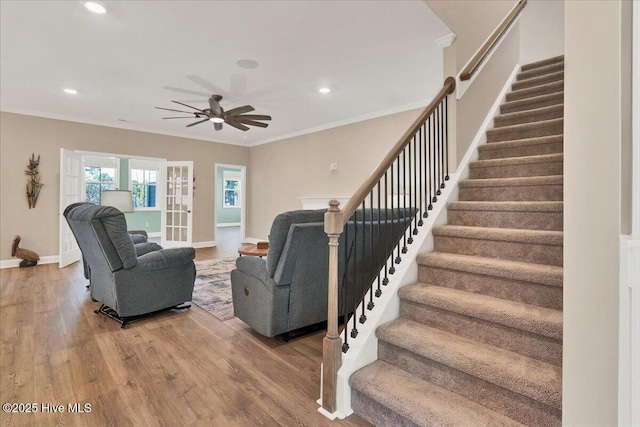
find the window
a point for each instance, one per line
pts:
(231, 188)
(100, 173)
(144, 183)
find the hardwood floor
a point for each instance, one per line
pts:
(177, 369)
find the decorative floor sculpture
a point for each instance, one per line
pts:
(29, 258)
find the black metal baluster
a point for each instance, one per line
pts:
(446, 129)
(356, 299)
(370, 305)
(385, 281)
(432, 136)
(363, 316)
(427, 169)
(441, 143)
(378, 246)
(398, 258)
(407, 183)
(345, 310)
(439, 152)
(423, 210)
(392, 269)
(415, 186)
(404, 197)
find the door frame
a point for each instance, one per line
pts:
(243, 196)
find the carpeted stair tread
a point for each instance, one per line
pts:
(549, 275)
(529, 377)
(525, 317)
(526, 181)
(511, 161)
(531, 92)
(526, 206)
(541, 237)
(420, 402)
(542, 70)
(529, 116)
(538, 80)
(532, 102)
(526, 130)
(521, 147)
(543, 63)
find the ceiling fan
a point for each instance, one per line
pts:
(235, 117)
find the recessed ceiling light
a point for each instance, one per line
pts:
(247, 63)
(70, 91)
(95, 7)
(324, 90)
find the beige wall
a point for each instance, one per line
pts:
(473, 21)
(592, 148)
(474, 106)
(22, 135)
(281, 171)
(541, 30)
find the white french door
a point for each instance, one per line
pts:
(71, 191)
(177, 210)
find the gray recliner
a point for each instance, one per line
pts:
(124, 282)
(288, 290)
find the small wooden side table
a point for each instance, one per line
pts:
(250, 249)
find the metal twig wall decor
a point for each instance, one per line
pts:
(33, 185)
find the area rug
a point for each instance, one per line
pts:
(212, 289)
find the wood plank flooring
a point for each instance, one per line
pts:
(177, 369)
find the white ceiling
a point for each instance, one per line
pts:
(378, 57)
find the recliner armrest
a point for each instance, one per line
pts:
(146, 247)
(166, 258)
(254, 267)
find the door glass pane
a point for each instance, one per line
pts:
(184, 234)
(169, 218)
(183, 218)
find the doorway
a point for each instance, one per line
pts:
(230, 205)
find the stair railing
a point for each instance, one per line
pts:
(382, 216)
(480, 56)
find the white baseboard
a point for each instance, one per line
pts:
(229, 224)
(11, 263)
(155, 234)
(209, 244)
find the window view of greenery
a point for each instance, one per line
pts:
(231, 193)
(97, 179)
(143, 187)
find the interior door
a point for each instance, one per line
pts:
(71, 191)
(178, 202)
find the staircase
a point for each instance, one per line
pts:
(479, 337)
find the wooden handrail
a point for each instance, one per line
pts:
(481, 55)
(350, 207)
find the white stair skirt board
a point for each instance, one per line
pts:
(364, 349)
(15, 262)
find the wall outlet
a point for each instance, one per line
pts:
(333, 166)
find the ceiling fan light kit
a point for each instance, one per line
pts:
(236, 117)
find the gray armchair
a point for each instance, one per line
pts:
(288, 290)
(127, 284)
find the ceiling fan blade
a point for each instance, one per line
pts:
(236, 125)
(197, 123)
(164, 118)
(253, 117)
(239, 110)
(176, 111)
(251, 122)
(181, 103)
(217, 126)
(187, 91)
